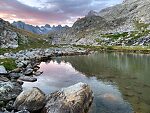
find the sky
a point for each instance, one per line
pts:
(53, 12)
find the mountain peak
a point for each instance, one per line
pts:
(92, 13)
(47, 25)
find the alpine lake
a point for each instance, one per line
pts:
(120, 81)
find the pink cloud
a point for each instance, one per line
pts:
(13, 10)
(52, 11)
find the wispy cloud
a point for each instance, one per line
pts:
(40, 12)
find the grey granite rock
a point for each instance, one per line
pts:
(31, 100)
(73, 99)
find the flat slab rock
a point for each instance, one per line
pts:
(73, 99)
(28, 78)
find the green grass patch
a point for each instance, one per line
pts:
(9, 64)
(116, 35)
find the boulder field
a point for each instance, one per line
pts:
(74, 99)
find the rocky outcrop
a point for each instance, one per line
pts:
(9, 39)
(133, 9)
(31, 100)
(74, 99)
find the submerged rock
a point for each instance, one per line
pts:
(31, 100)
(9, 90)
(73, 99)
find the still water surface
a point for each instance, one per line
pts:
(120, 82)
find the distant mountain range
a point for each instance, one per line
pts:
(36, 29)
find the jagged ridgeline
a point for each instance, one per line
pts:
(12, 37)
(124, 24)
(36, 29)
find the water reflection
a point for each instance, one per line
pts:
(107, 97)
(130, 72)
(113, 77)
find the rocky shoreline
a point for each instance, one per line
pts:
(76, 98)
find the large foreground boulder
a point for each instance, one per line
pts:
(32, 100)
(9, 90)
(73, 99)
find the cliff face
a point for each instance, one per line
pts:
(124, 24)
(130, 11)
(133, 9)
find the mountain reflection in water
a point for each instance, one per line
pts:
(120, 82)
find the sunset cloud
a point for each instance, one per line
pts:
(54, 12)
